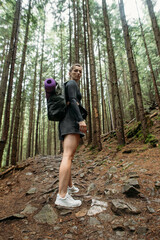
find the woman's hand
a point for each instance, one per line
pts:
(83, 126)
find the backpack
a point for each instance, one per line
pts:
(56, 103)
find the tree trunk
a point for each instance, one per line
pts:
(9, 57)
(96, 141)
(157, 96)
(37, 134)
(155, 26)
(102, 90)
(89, 125)
(10, 85)
(32, 104)
(133, 73)
(113, 77)
(70, 35)
(55, 140)
(76, 39)
(19, 92)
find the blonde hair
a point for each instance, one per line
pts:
(74, 65)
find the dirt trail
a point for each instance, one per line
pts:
(111, 210)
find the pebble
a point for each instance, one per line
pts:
(93, 221)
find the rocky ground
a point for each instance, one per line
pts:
(120, 190)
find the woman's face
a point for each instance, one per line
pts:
(76, 73)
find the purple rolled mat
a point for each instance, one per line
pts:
(49, 85)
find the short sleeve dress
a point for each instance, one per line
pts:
(70, 123)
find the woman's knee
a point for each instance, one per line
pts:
(68, 156)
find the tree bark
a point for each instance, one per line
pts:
(88, 106)
(155, 26)
(31, 112)
(102, 90)
(157, 96)
(10, 85)
(113, 77)
(133, 73)
(19, 92)
(12, 51)
(37, 134)
(96, 141)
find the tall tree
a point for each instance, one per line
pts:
(76, 29)
(133, 73)
(113, 78)
(157, 96)
(9, 90)
(102, 89)
(96, 131)
(19, 91)
(9, 57)
(155, 26)
(31, 111)
(89, 124)
(37, 134)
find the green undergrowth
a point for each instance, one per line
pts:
(151, 139)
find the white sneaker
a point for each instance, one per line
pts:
(72, 189)
(67, 202)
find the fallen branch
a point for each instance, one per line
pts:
(154, 114)
(107, 134)
(7, 171)
(131, 121)
(16, 167)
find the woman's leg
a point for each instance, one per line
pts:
(70, 145)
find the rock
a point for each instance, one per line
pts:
(99, 203)
(130, 191)
(133, 175)
(108, 191)
(143, 170)
(105, 217)
(93, 221)
(73, 229)
(65, 212)
(95, 210)
(157, 184)
(121, 207)
(112, 170)
(97, 207)
(120, 233)
(91, 187)
(81, 213)
(31, 191)
(109, 175)
(150, 210)
(28, 173)
(46, 215)
(127, 165)
(133, 182)
(56, 228)
(68, 236)
(142, 230)
(82, 175)
(12, 217)
(29, 209)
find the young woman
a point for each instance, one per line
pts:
(71, 128)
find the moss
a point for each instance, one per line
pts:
(151, 139)
(134, 130)
(92, 148)
(119, 147)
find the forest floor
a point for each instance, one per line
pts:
(119, 188)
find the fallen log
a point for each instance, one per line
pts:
(16, 167)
